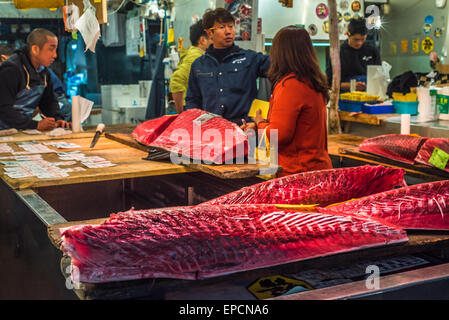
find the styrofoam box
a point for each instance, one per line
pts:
(125, 114)
(118, 95)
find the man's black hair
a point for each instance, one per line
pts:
(220, 15)
(357, 26)
(39, 37)
(196, 31)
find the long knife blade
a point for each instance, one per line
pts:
(98, 132)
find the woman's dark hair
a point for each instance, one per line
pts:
(196, 31)
(357, 26)
(292, 52)
(220, 15)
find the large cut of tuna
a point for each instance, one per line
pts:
(428, 148)
(209, 241)
(399, 147)
(204, 136)
(423, 206)
(148, 131)
(323, 187)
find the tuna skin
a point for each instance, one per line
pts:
(423, 206)
(209, 241)
(323, 187)
(399, 147)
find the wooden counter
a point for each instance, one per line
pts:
(372, 119)
(129, 163)
(117, 146)
(227, 171)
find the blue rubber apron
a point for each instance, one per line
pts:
(27, 100)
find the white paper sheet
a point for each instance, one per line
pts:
(89, 27)
(73, 15)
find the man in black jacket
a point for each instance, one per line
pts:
(25, 84)
(355, 56)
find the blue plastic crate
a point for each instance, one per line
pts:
(350, 106)
(377, 109)
(353, 106)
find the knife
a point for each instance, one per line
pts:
(98, 132)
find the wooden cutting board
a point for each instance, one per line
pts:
(227, 171)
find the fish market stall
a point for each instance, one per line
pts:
(37, 208)
(52, 180)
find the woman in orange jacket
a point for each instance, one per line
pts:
(298, 103)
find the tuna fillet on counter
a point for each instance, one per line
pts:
(204, 136)
(148, 131)
(423, 206)
(399, 147)
(209, 241)
(322, 187)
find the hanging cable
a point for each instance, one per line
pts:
(119, 7)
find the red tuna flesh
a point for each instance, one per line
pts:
(201, 135)
(423, 206)
(428, 147)
(322, 187)
(209, 241)
(399, 147)
(148, 131)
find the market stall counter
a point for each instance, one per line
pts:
(35, 208)
(47, 180)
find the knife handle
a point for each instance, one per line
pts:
(100, 127)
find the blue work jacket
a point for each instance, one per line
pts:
(227, 88)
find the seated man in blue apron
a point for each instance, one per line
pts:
(355, 56)
(25, 84)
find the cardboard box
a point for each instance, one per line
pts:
(442, 68)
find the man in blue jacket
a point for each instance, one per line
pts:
(224, 80)
(26, 84)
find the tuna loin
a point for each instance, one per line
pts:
(423, 206)
(399, 147)
(323, 187)
(209, 241)
(204, 136)
(428, 148)
(148, 131)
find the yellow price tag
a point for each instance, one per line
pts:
(439, 158)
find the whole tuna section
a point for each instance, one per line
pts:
(209, 241)
(323, 187)
(399, 147)
(423, 206)
(203, 136)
